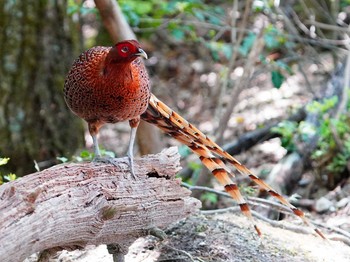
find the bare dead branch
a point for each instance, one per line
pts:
(73, 205)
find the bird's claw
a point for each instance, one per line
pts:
(131, 164)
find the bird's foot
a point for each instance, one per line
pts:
(112, 160)
(131, 164)
(105, 160)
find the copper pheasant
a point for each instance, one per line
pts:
(110, 85)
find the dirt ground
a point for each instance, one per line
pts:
(226, 238)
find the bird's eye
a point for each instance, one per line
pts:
(125, 49)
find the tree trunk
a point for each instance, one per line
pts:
(37, 48)
(72, 205)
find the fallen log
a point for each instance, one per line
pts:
(73, 205)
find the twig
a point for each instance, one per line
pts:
(183, 252)
(185, 22)
(344, 96)
(250, 200)
(265, 202)
(340, 238)
(342, 104)
(328, 26)
(235, 45)
(273, 223)
(242, 81)
(335, 229)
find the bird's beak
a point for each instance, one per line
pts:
(142, 53)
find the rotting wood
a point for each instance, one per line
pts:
(73, 205)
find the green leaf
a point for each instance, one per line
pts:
(199, 15)
(107, 153)
(323, 106)
(62, 159)
(85, 154)
(211, 197)
(4, 161)
(247, 44)
(284, 66)
(277, 79)
(10, 177)
(72, 10)
(195, 166)
(178, 34)
(307, 131)
(184, 151)
(287, 130)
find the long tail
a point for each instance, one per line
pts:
(211, 155)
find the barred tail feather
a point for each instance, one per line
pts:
(173, 124)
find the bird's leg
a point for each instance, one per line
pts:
(94, 127)
(134, 123)
(96, 147)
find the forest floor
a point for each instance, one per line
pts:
(226, 238)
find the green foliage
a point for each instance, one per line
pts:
(171, 14)
(219, 50)
(201, 228)
(262, 5)
(327, 154)
(74, 7)
(248, 190)
(196, 168)
(209, 197)
(247, 44)
(327, 150)
(9, 177)
(340, 160)
(85, 155)
(324, 106)
(277, 78)
(4, 161)
(274, 38)
(345, 3)
(184, 151)
(287, 130)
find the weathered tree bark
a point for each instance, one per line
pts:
(73, 205)
(37, 47)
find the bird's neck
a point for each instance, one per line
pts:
(112, 68)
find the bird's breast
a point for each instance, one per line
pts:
(109, 93)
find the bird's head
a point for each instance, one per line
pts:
(126, 51)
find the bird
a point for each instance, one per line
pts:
(111, 84)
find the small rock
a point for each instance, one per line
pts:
(202, 235)
(343, 202)
(323, 205)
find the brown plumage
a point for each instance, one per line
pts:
(109, 85)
